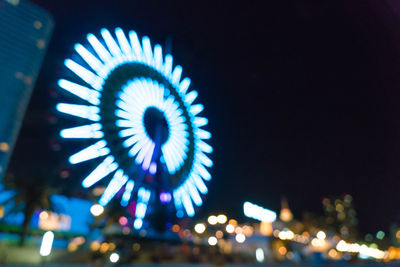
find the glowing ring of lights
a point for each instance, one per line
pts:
(126, 82)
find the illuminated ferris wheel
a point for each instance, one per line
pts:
(141, 120)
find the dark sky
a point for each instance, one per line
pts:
(302, 96)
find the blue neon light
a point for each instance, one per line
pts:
(133, 99)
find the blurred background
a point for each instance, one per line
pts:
(301, 99)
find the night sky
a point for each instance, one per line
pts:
(302, 96)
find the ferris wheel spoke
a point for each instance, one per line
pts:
(96, 150)
(99, 48)
(148, 54)
(86, 75)
(173, 157)
(187, 203)
(200, 121)
(124, 43)
(194, 194)
(126, 196)
(83, 111)
(90, 59)
(168, 65)
(190, 97)
(196, 109)
(85, 131)
(147, 158)
(204, 147)
(202, 171)
(111, 44)
(168, 162)
(131, 131)
(176, 75)
(206, 161)
(157, 56)
(148, 147)
(198, 182)
(137, 147)
(202, 134)
(184, 85)
(141, 207)
(113, 187)
(136, 45)
(92, 96)
(123, 114)
(101, 171)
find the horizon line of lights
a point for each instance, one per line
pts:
(364, 251)
(134, 98)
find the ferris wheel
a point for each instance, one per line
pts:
(144, 128)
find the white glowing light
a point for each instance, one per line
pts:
(200, 228)
(260, 255)
(113, 187)
(321, 235)
(141, 207)
(128, 192)
(47, 243)
(212, 240)
(86, 112)
(96, 210)
(94, 151)
(230, 228)
(222, 218)
(86, 75)
(86, 131)
(101, 171)
(258, 213)
(212, 220)
(240, 238)
(83, 92)
(114, 257)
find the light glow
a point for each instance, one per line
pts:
(200, 228)
(133, 99)
(101, 171)
(260, 255)
(96, 210)
(47, 244)
(258, 213)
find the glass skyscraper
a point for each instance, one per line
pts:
(25, 31)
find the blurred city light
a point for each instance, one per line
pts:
(114, 257)
(286, 235)
(380, 235)
(230, 228)
(240, 238)
(321, 235)
(123, 220)
(222, 218)
(259, 255)
(212, 220)
(212, 241)
(97, 210)
(219, 234)
(200, 228)
(266, 228)
(258, 213)
(47, 243)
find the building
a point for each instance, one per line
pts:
(25, 31)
